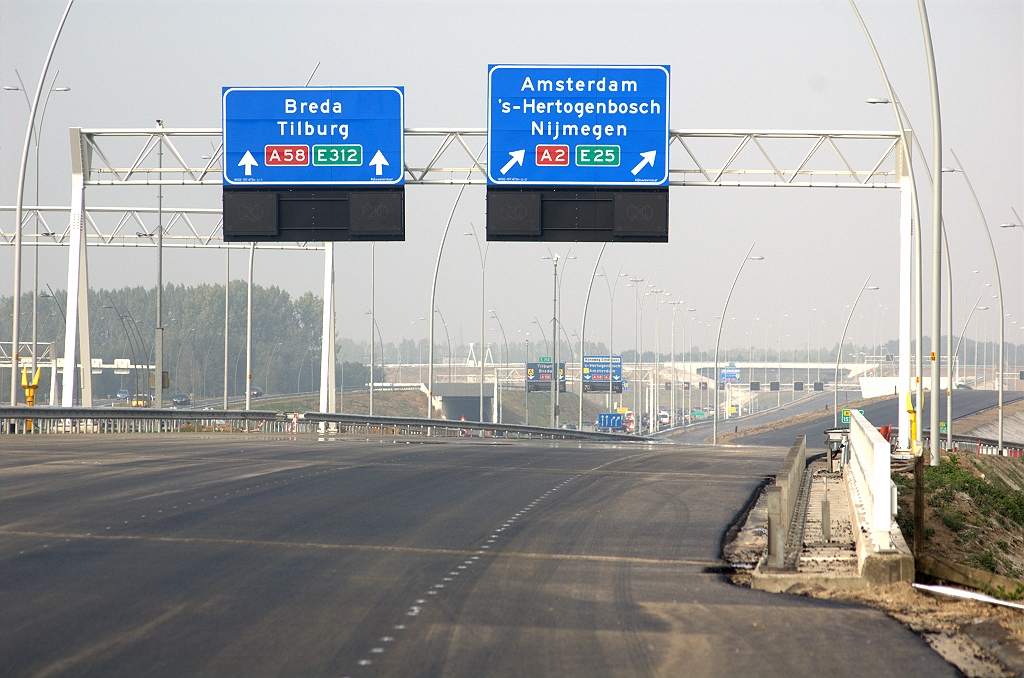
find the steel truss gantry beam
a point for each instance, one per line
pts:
(125, 159)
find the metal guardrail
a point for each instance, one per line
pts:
(419, 425)
(989, 446)
(48, 420)
(44, 419)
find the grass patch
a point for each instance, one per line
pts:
(949, 477)
(986, 561)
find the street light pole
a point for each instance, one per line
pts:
(999, 288)
(936, 326)
(910, 248)
(373, 321)
(555, 341)
(433, 300)
(655, 405)
(36, 138)
(675, 375)
(505, 341)
(966, 324)
(611, 328)
(839, 353)
(158, 347)
(718, 342)
(19, 207)
(1018, 224)
(482, 252)
(583, 333)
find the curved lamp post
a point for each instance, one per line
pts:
(433, 298)
(999, 286)
(505, 341)
(19, 206)
(966, 324)
(746, 258)
(907, 155)
(839, 353)
(583, 332)
(482, 252)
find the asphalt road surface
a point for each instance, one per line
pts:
(267, 556)
(882, 413)
(700, 432)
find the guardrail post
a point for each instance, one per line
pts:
(776, 529)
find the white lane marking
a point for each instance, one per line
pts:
(377, 650)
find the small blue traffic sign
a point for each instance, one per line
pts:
(577, 125)
(313, 136)
(609, 420)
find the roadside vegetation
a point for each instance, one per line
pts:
(974, 513)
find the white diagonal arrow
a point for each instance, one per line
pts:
(248, 162)
(648, 159)
(517, 159)
(379, 161)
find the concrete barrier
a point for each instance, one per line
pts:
(869, 464)
(782, 501)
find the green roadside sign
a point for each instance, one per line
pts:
(846, 415)
(544, 359)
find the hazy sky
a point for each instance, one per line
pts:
(748, 65)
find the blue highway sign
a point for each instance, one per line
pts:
(578, 125)
(314, 136)
(730, 374)
(596, 373)
(609, 420)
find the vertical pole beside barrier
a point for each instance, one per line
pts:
(776, 528)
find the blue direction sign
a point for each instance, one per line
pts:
(730, 375)
(591, 125)
(596, 373)
(314, 136)
(609, 420)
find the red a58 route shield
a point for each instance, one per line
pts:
(286, 155)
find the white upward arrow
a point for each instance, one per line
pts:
(379, 161)
(249, 162)
(517, 159)
(648, 159)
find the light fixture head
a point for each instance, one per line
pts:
(878, 100)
